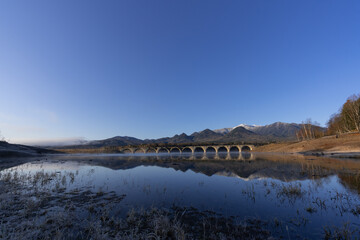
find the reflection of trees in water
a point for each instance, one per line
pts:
(351, 181)
(282, 167)
(277, 192)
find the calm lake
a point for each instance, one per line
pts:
(296, 196)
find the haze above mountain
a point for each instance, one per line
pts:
(242, 133)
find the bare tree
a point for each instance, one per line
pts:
(348, 118)
(335, 124)
(309, 130)
(351, 113)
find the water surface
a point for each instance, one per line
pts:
(298, 196)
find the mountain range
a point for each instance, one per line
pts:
(275, 132)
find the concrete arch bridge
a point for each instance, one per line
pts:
(216, 149)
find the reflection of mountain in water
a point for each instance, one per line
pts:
(260, 166)
(282, 167)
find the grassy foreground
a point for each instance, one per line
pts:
(32, 212)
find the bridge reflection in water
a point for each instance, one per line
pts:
(192, 156)
(211, 156)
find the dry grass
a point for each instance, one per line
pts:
(340, 233)
(36, 212)
(345, 143)
(291, 190)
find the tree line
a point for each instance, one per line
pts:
(309, 130)
(347, 119)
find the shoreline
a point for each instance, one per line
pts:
(347, 145)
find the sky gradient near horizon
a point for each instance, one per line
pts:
(149, 69)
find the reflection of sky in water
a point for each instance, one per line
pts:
(262, 197)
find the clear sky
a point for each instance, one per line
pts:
(148, 69)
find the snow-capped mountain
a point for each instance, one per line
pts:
(227, 130)
(248, 127)
(223, 130)
(278, 131)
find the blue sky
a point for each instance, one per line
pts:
(148, 69)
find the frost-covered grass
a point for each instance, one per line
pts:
(37, 211)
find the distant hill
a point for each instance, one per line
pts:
(206, 135)
(16, 150)
(115, 141)
(182, 138)
(241, 134)
(223, 131)
(278, 131)
(109, 142)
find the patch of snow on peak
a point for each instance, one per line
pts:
(223, 130)
(247, 127)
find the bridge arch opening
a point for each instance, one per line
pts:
(151, 150)
(234, 149)
(210, 150)
(245, 149)
(126, 150)
(199, 150)
(138, 150)
(163, 150)
(187, 150)
(175, 150)
(222, 150)
(234, 152)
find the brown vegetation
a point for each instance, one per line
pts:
(341, 143)
(309, 130)
(348, 118)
